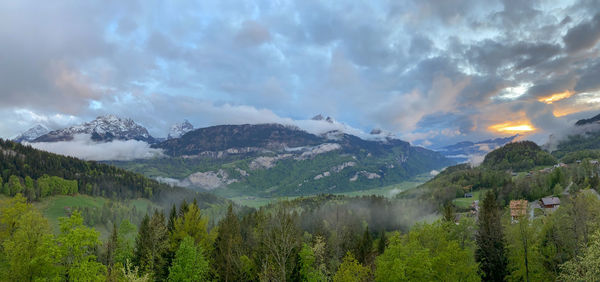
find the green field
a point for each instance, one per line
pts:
(257, 202)
(390, 190)
(466, 202)
(386, 191)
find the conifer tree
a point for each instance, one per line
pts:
(228, 246)
(152, 246)
(172, 218)
(490, 251)
(365, 247)
(111, 247)
(381, 243)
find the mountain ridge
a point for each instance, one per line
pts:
(103, 128)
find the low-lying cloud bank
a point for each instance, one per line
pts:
(83, 147)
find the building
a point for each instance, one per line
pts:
(518, 209)
(550, 203)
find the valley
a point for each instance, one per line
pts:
(304, 141)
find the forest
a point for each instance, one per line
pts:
(307, 240)
(420, 235)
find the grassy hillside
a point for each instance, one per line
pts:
(332, 172)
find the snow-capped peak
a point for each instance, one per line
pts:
(32, 133)
(179, 129)
(103, 128)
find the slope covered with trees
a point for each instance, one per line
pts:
(38, 174)
(518, 156)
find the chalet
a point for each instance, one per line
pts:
(518, 209)
(550, 203)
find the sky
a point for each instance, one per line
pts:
(433, 72)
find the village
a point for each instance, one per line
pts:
(540, 207)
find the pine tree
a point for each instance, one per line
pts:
(490, 251)
(172, 218)
(382, 242)
(183, 208)
(111, 247)
(365, 247)
(228, 246)
(152, 245)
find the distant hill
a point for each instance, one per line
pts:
(585, 135)
(518, 156)
(52, 174)
(274, 159)
(591, 120)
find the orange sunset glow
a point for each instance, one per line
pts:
(556, 97)
(512, 127)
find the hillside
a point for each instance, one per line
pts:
(495, 173)
(38, 174)
(518, 156)
(585, 135)
(275, 160)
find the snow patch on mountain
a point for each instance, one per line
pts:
(103, 128)
(32, 133)
(178, 130)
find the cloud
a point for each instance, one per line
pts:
(584, 35)
(253, 33)
(409, 68)
(84, 148)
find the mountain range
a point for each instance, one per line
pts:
(264, 159)
(102, 129)
(275, 159)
